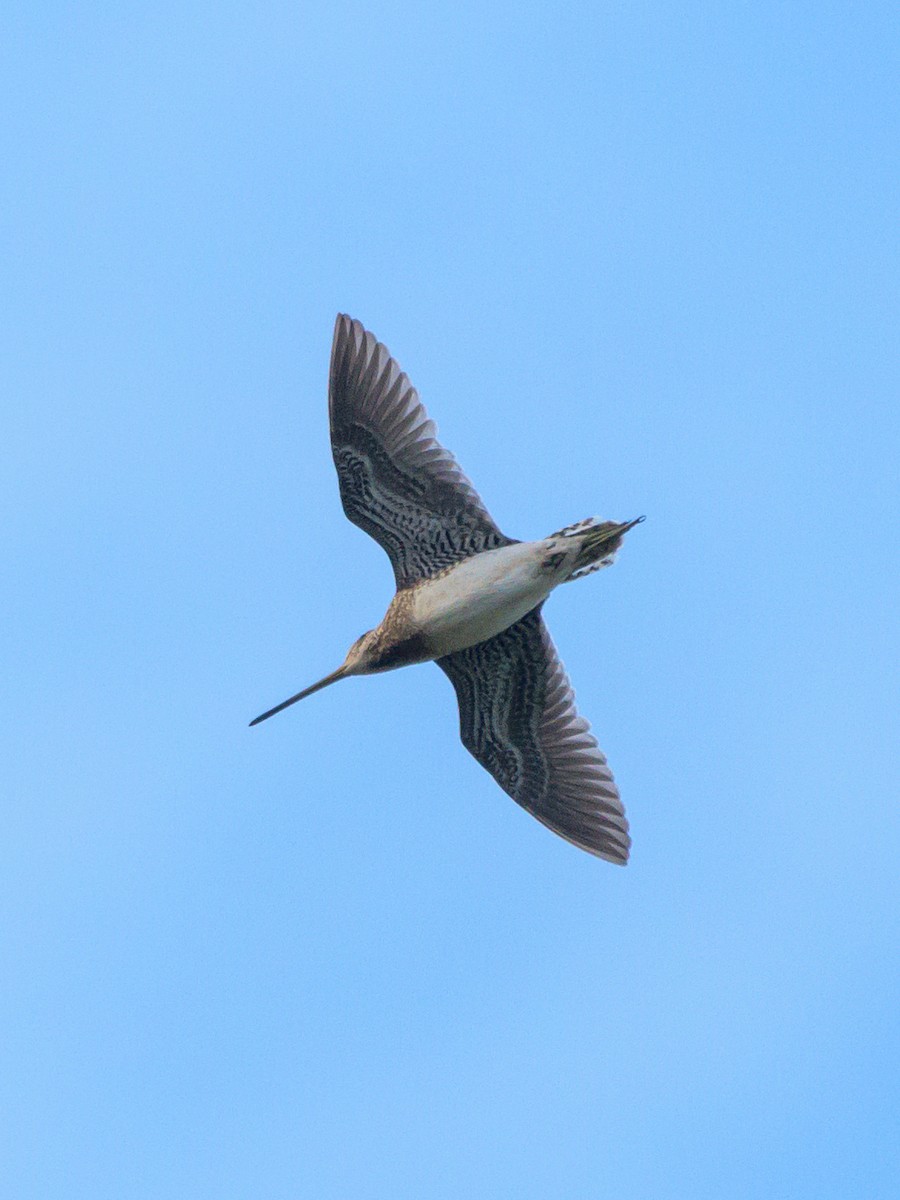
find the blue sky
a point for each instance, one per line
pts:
(637, 258)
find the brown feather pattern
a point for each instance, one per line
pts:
(397, 482)
(517, 717)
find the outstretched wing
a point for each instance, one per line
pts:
(397, 482)
(517, 717)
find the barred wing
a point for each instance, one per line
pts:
(517, 717)
(396, 481)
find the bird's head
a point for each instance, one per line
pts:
(360, 655)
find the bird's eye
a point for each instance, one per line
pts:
(551, 563)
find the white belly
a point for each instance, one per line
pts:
(481, 596)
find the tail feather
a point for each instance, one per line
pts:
(599, 541)
(578, 527)
(598, 547)
(580, 572)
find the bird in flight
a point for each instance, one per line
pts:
(468, 598)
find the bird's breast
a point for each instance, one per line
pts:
(480, 596)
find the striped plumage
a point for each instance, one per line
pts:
(397, 482)
(517, 717)
(517, 709)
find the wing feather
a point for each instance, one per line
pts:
(396, 480)
(517, 717)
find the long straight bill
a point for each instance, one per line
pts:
(332, 678)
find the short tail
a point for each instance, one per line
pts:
(599, 542)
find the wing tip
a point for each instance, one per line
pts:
(342, 323)
(618, 858)
(348, 330)
(613, 846)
